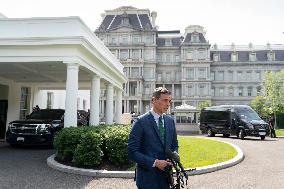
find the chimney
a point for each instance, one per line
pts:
(154, 16)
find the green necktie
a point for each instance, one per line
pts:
(161, 129)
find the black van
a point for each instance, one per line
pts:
(239, 120)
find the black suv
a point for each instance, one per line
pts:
(39, 128)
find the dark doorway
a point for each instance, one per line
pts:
(3, 117)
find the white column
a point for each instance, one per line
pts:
(109, 104)
(95, 101)
(71, 95)
(118, 106)
(14, 97)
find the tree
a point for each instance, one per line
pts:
(274, 91)
(204, 104)
(259, 105)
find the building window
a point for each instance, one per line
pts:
(234, 57)
(212, 76)
(24, 102)
(189, 55)
(201, 73)
(135, 54)
(113, 40)
(221, 91)
(240, 75)
(230, 75)
(135, 72)
(124, 39)
(270, 56)
(149, 39)
(248, 76)
(216, 58)
(201, 90)
(213, 91)
(201, 54)
(231, 91)
(190, 90)
(257, 76)
(220, 76)
(168, 42)
(195, 38)
(190, 73)
(252, 57)
(123, 54)
(49, 100)
(249, 91)
(176, 58)
(136, 39)
(240, 91)
(168, 58)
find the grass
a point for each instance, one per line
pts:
(198, 152)
(279, 132)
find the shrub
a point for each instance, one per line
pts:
(90, 146)
(116, 144)
(66, 142)
(88, 153)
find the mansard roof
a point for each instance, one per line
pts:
(176, 41)
(243, 56)
(189, 40)
(136, 21)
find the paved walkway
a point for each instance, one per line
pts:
(262, 167)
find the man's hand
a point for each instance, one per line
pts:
(161, 164)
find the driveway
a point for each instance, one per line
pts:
(262, 167)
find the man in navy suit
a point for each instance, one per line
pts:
(151, 134)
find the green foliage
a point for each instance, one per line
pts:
(204, 104)
(259, 105)
(274, 91)
(88, 152)
(90, 146)
(67, 140)
(116, 144)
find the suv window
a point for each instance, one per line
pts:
(47, 114)
(247, 114)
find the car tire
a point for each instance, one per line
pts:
(262, 137)
(210, 133)
(242, 134)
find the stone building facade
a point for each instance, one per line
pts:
(187, 64)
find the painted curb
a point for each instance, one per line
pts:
(130, 174)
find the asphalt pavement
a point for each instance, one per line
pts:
(263, 167)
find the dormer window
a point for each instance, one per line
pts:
(195, 38)
(216, 57)
(234, 57)
(252, 56)
(125, 19)
(168, 42)
(270, 56)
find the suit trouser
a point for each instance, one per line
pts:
(272, 133)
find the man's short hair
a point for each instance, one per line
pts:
(160, 90)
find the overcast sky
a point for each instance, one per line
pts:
(225, 21)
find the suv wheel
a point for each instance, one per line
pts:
(242, 134)
(210, 133)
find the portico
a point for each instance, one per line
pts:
(57, 53)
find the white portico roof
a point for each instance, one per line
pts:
(35, 51)
(185, 107)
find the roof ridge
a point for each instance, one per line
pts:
(111, 22)
(139, 21)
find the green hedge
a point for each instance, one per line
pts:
(92, 146)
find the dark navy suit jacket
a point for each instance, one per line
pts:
(145, 146)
